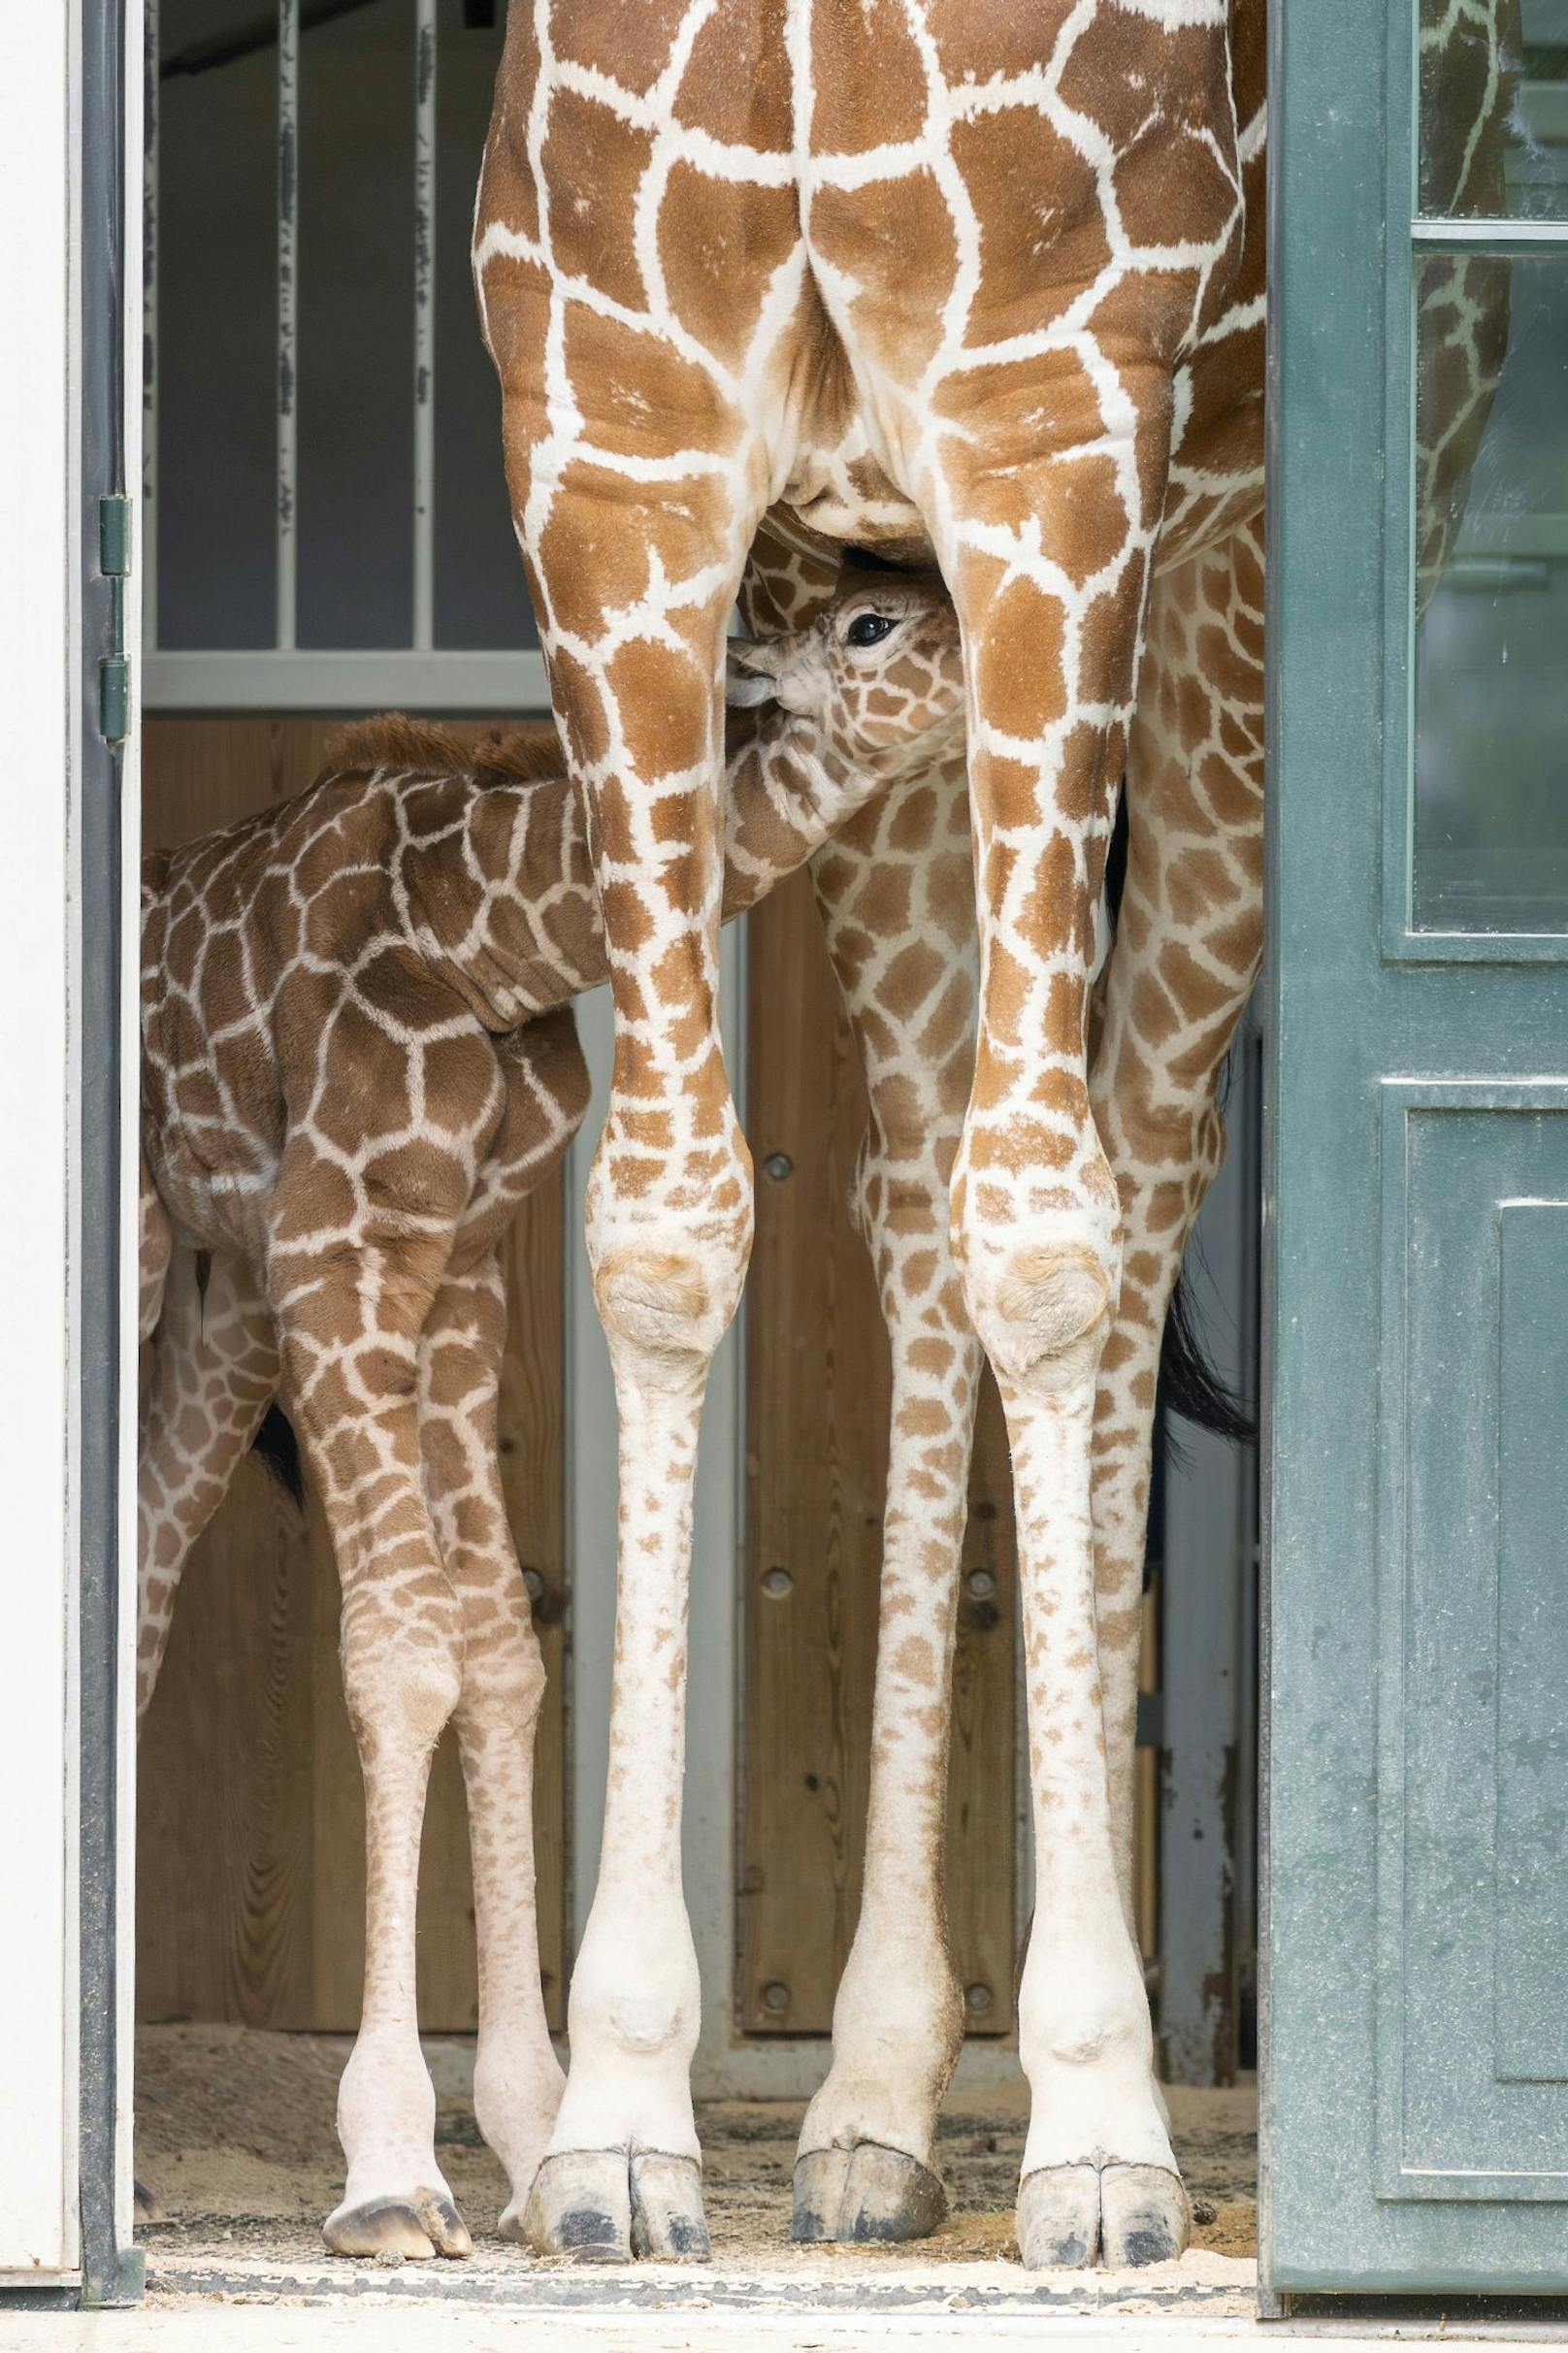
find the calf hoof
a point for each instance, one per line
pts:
(412, 2228)
(864, 2196)
(599, 2205)
(1144, 2215)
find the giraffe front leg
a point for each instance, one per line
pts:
(1049, 562)
(638, 687)
(865, 2167)
(517, 2079)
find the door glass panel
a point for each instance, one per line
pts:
(1492, 678)
(1495, 109)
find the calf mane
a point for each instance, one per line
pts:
(527, 754)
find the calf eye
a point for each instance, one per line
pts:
(869, 629)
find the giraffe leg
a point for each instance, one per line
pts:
(214, 1374)
(155, 1243)
(634, 631)
(1186, 956)
(1050, 584)
(350, 1321)
(865, 2168)
(211, 1377)
(516, 2077)
(638, 462)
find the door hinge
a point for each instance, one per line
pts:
(115, 667)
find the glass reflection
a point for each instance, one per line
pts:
(1491, 644)
(1493, 109)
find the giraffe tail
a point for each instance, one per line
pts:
(280, 1449)
(1191, 1384)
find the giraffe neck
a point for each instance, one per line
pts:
(503, 892)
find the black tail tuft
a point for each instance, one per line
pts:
(1190, 1384)
(280, 1449)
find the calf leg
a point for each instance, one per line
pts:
(215, 1373)
(349, 1319)
(895, 893)
(517, 2079)
(897, 896)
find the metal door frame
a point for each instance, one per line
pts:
(101, 318)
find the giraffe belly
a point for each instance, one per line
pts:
(838, 487)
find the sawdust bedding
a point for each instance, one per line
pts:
(235, 2138)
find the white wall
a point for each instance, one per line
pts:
(38, 652)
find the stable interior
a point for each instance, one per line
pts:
(396, 581)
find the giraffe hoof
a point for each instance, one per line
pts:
(667, 2220)
(579, 2208)
(864, 2196)
(1058, 2219)
(146, 2205)
(413, 2229)
(1144, 2215)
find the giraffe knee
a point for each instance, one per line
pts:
(402, 1670)
(665, 1310)
(1043, 1309)
(503, 1675)
(1052, 1298)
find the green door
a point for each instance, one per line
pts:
(1416, 2062)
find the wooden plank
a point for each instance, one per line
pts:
(818, 1387)
(250, 1825)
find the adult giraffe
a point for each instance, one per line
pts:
(919, 275)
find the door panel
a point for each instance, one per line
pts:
(1414, 2109)
(250, 1819)
(1474, 1746)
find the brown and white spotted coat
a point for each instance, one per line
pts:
(764, 280)
(356, 1061)
(934, 277)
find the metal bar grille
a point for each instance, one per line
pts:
(286, 675)
(147, 550)
(288, 183)
(424, 326)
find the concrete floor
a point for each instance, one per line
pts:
(373, 2324)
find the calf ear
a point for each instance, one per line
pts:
(751, 672)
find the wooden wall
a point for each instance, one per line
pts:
(251, 1842)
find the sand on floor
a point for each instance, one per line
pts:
(235, 2138)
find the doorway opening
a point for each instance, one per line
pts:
(326, 534)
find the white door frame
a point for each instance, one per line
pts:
(64, 1956)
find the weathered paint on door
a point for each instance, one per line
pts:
(1415, 2065)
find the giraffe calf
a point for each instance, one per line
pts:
(358, 1055)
